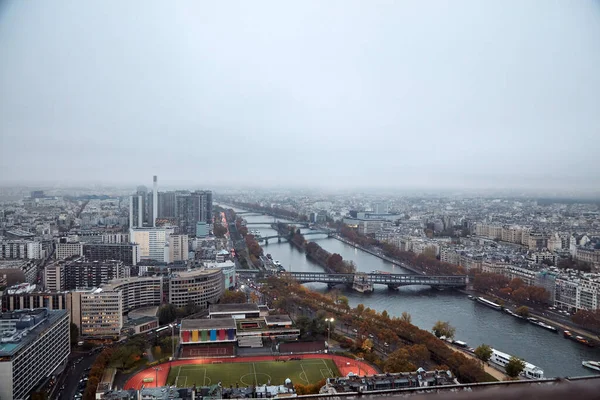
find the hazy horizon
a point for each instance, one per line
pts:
(343, 94)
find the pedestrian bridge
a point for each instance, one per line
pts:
(391, 280)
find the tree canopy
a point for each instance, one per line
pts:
(443, 328)
(514, 367)
(483, 352)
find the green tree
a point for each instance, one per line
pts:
(166, 314)
(406, 317)
(514, 367)
(343, 301)
(74, 332)
(523, 311)
(483, 352)
(443, 328)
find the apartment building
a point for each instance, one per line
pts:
(153, 242)
(54, 276)
(579, 293)
(21, 249)
(34, 344)
(97, 312)
(178, 248)
(86, 274)
(202, 287)
(588, 254)
(65, 250)
(128, 253)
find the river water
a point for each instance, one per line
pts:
(475, 323)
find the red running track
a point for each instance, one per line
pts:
(159, 378)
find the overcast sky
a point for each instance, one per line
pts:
(311, 93)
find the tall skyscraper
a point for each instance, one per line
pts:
(192, 208)
(136, 211)
(155, 201)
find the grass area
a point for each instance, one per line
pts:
(253, 373)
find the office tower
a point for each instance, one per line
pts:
(34, 344)
(167, 204)
(192, 208)
(136, 211)
(155, 200)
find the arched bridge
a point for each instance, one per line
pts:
(391, 280)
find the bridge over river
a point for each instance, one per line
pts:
(391, 280)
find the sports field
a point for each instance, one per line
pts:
(305, 371)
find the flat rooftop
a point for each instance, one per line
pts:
(278, 319)
(206, 324)
(232, 308)
(10, 349)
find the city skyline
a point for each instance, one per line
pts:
(395, 96)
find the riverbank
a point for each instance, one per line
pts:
(496, 373)
(377, 254)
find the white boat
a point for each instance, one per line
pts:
(595, 365)
(489, 303)
(530, 371)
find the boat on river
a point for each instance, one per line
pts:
(578, 339)
(489, 303)
(541, 324)
(595, 365)
(530, 371)
(471, 297)
(512, 313)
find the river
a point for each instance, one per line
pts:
(475, 323)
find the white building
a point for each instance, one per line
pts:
(201, 287)
(34, 344)
(21, 249)
(153, 242)
(178, 248)
(66, 250)
(578, 293)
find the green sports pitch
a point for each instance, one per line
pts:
(306, 371)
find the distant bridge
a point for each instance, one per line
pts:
(283, 237)
(296, 224)
(391, 280)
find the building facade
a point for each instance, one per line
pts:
(35, 343)
(128, 253)
(88, 274)
(152, 243)
(21, 249)
(178, 248)
(65, 250)
(201, 287)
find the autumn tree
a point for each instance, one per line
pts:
(587, 319)
(523, 311)
(516, 283)
(367, 345)
(406, 317)
(399, 361)
(483, 352)
(514, 367)
(233, 297)
(520, 295)
(419, 354)
(443, 328)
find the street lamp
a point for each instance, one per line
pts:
(358, 360)
(329, 321)
(156, 369)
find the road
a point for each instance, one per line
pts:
(73, 373)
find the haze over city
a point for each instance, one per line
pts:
(339, 94)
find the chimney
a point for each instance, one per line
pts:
(155, 201)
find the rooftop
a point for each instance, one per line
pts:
(278, 319)
(9, 349)
(232, 308)
(204, 324)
